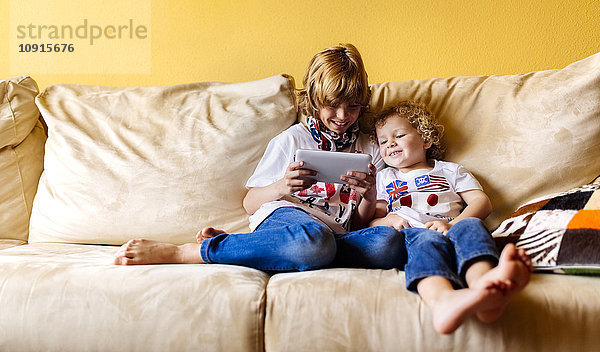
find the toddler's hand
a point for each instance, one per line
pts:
(397, 222)
(439, 226)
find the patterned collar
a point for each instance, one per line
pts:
(330, 140)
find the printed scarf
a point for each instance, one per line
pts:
(330, 140)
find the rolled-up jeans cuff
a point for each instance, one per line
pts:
(204, 250)
(413, 280)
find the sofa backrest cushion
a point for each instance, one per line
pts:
(22, 140)
(153, 162)
(522, 136)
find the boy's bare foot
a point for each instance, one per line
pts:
(514, 271)
(141, 251)
(207, 232)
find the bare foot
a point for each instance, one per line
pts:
(512, 273)
(141, 251)
(207, 232)
(452, 307)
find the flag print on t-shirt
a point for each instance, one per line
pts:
(395, 189)
(421, 195)
(422, 189)
(324, 190)
(432, 183)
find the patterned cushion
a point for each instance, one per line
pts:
(561, 232)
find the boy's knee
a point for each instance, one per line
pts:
(386, 248)
(387, 237)
(316, 249)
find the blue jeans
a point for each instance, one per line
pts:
(290, 239)
(432, 254)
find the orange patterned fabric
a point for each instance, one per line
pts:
(561, 232)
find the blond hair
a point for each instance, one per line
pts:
(334, 76)
(420, 118)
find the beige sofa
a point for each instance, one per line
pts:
(162, 162)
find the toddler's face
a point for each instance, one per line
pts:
(401, 146)
(339, 118)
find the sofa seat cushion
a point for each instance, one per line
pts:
(370, 310)
(65, 297)
(153, 162)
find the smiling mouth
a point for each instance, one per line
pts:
(394, 153)
(340, 124)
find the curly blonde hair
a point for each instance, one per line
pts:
(421, 118)
(335, 75)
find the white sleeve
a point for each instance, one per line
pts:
(273, 164)
(381, 180)
(464, 181)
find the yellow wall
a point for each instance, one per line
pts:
(217, 40)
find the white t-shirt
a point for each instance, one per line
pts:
(331, 203)
(423, 195)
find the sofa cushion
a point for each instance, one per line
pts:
(522, 136)
(370, 310)
(560, 232)
(18, 113)
(153, 162)
(4, 243)
(21, 155)
(68, 297)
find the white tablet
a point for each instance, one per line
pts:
(330, 166)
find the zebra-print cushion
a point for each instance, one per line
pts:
(561, 232)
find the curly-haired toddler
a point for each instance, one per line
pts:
(452, 261)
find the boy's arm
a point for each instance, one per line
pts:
(258, 196)
(365, 186)
(295, 179)
(380, 214)
(364, 213)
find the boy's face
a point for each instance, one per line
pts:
(401, 146)
(339, 118)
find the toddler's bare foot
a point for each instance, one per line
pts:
(452, 307)
(512, 273)
(141, 251)
(207, 232)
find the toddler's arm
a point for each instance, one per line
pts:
(478, 206)
(382, 218)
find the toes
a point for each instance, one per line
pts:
(121, 260)
(208, 232)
